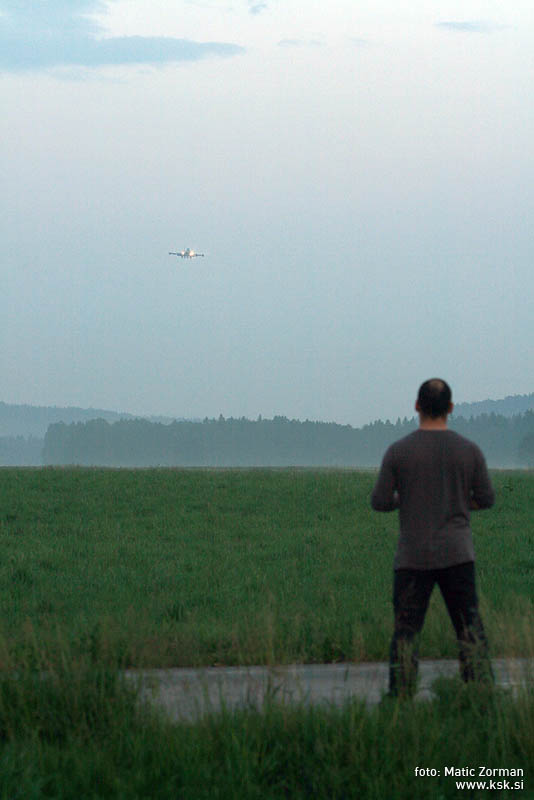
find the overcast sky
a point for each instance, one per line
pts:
(359, 175)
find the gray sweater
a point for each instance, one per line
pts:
(432, 476)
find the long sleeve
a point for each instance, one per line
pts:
(482, 490)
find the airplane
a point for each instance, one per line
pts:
(188, 253)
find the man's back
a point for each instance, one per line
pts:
(434, 477)
(437, 474)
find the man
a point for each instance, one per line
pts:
(434, 477)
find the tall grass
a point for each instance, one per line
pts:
(79, 731)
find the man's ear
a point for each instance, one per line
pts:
(417, 406)
(450, 408)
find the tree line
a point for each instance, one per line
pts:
(506, 442)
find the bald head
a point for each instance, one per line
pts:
(434, 398)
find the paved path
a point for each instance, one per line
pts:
(187, 694)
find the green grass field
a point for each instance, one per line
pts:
(191, 567)
(102, 569)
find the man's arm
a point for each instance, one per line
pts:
(385, 496)
(482, 494)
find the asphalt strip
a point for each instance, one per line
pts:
(188, 694)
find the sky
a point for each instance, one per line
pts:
(358, 174)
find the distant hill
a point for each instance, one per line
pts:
(25, 420)
(508, 407)
(501, 427)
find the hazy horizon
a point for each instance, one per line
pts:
(511, 401)
(359, 177)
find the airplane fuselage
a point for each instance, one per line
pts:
(187, 253)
